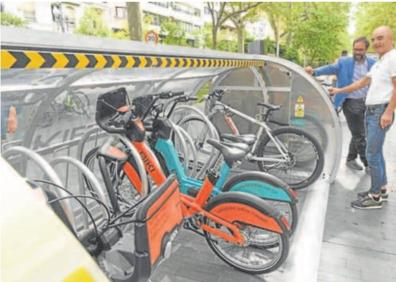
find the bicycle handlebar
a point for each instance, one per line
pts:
(115, 124)
(169, 94)
(180, 97)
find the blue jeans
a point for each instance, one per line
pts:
(374, 150)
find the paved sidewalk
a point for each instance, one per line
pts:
(360, 245)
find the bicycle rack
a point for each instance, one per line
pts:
(100, 192)
(84, 139)
(192, 147)
(139, 162)
(50, 173)
(80, 150)
(213, 133)
(184, 136)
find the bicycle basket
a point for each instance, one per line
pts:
(108, 103)
(142, 104)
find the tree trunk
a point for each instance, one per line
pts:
(277, 47)
(277, 39)
(214, 37)
(241, 39)
(134, 21)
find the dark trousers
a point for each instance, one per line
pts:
(354, 110)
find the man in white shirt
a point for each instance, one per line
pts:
(380, 107)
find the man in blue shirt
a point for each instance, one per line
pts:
(349, 70)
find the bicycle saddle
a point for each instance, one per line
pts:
(111, 153)
(269, 106)
(248, 139)
(230, 154)
(243, 146)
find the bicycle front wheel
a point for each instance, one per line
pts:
(257, 223)
(304, 159)
(79, 103)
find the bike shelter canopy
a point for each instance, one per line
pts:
(53, 81)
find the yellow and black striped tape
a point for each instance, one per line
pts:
(32, 59)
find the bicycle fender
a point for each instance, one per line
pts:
(260, 184)
(233, 211)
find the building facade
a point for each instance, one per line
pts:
(65, 17)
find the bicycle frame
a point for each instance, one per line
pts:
(193, 206)
(223, 108)
(257, 188)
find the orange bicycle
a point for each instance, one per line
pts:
(240, 228)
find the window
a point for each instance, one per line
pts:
(197, 12)
(187, 27)
(120, 12)
(28, 10)
(153, 19)
(185, 9)
(161, 4)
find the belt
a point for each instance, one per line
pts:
(377, 106)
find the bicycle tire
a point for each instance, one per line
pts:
(310, 123)
(243, 205)
(119, 191)
(47, 118)
(287, 208)
(80, 103)
(285, 172)
(89, 160)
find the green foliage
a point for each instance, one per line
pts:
(206, 32)
(121, 34)
(372, 15)
(223, 11)
(148, 19)
(203, 92)
(318, 34)
(92, 23)
(175, 35)
(9, 19)
(315, 31)
(228, 45)
(269, 46)
(290, 53)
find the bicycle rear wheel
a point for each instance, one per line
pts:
(258, 224)
(271, 189)
(48, 117)
(305, 156)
